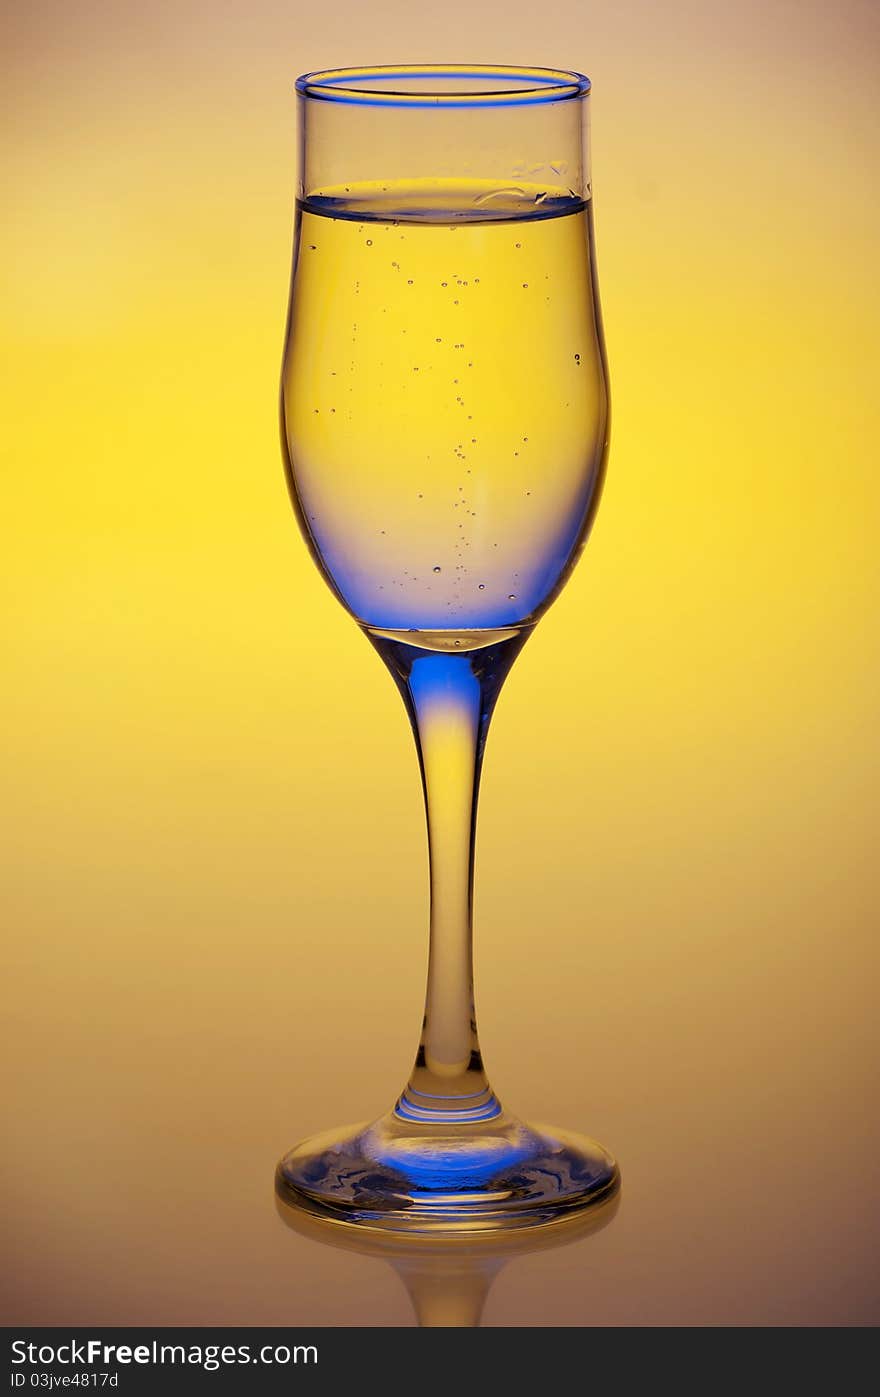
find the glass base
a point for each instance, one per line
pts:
(405, 1176)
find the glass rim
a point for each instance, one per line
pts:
(385, 85)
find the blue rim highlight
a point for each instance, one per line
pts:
(349, 86)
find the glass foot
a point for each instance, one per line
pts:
(400, 1175)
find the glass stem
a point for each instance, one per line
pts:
(450, 697)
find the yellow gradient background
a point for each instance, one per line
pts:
(214, 868)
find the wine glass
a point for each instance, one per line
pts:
(444, 416)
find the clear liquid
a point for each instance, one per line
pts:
(444, 399)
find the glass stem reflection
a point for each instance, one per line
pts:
(450, 695)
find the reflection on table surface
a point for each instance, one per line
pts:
(448, 1279)
(123, 1221)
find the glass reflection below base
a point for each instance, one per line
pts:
(399, 1175)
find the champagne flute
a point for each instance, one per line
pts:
(445, 426)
